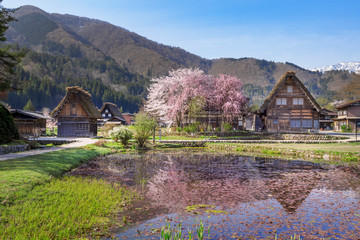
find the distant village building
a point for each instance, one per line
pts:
(347, 114)
(111, 114)
(326, 119)
(76, 114)
(29, 123)
(213, 119)
(129, 118)
(289, 107)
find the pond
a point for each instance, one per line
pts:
(238, 197)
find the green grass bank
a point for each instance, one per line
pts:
(337, 153)
(36, 202)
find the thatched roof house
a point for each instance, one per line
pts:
(76, 114)
(290, 107)
(110, 112)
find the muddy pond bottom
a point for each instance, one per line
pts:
(238, 197)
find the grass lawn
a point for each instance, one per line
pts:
(37, 203)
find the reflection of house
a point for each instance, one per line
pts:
(348, 114)
(290, 107)
(111, 114)
(291, 189)
(76, 114)
(29, 123)
(326, 119)
(129, 118)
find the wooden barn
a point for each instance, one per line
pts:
(29, 123)
(289, 107)
(348, 114)
(111, 113)
(76, 114)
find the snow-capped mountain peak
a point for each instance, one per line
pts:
(349, 66)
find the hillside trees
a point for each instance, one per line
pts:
(187, 91)
(46, 76)
(8, 58)
(29, 106)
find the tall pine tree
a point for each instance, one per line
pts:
(8, 57)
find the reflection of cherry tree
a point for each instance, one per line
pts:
(171, 187)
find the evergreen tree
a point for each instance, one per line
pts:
(29, 106)
(8, 57)
(8, 129)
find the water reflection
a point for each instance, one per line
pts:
(178, 180)
(259, 195)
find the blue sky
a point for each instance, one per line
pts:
(307, 33)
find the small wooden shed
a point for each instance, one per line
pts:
(76, 114)
(29, 123)
(290, 107)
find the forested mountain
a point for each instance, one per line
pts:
(115, 65)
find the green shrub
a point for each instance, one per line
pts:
(104, 131)
(227, 127)
(144, 125)
(8, 129)
(121, 133)
(192, 128)
(345, 128)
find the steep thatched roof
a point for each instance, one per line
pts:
(113, 109)
(84, 100)
(278, 86)
(347, 104)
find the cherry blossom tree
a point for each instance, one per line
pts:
(170, 97)
(228, 96)
(186, 91)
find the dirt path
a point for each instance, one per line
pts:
(80, 142)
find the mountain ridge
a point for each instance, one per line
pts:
(353, 66)
(112, 51)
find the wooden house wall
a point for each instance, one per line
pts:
(79, 110)
(214, 119)
(31, 126)
(353, 111)
(278, 117)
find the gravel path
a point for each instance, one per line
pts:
(80, 142)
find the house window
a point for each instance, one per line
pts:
(240, 123)
(342, 112)
(295, 123)
(109, 115)
(316, 124)
(82, 126)
(106, 110)
(289, 89)
(73, 110)
(276, 122)
(281, 101)
(104, 115)
(307, 123)
(298, 101)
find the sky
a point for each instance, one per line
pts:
(308, 33)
